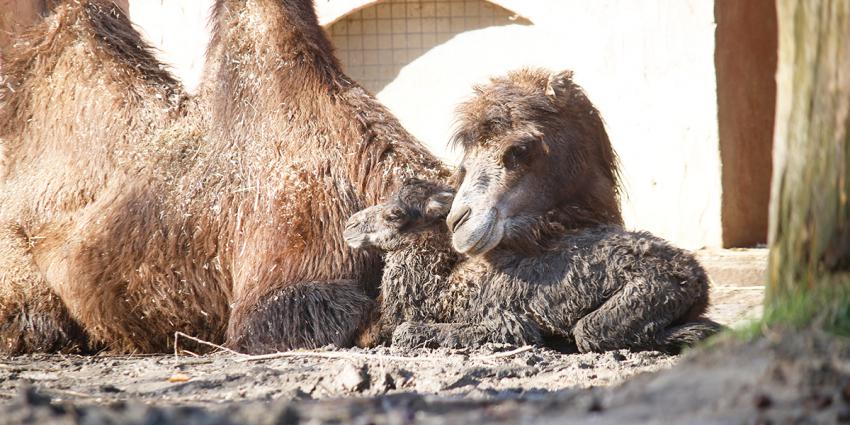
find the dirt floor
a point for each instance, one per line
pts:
(496, 384)
(787, 377)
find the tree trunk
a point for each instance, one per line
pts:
(809, 265)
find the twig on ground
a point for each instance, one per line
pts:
(242, 357)
(343, 355)
(505, 353)
(200, 341)
(67, 393)
(190, 353)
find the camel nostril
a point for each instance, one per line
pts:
(456, 219)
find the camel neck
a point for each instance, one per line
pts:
(430, 255)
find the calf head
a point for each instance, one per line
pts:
(417, 206)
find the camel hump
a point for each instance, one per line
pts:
(107, 27)
(83, 75)
(93, 39)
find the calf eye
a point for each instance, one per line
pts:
(395, 215)
(515, 156)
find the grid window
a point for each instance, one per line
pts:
(374, 43)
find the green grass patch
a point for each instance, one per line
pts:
(827, 309)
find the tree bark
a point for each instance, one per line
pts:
(810, 214)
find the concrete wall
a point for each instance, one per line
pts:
(647, 64)
(377, 42)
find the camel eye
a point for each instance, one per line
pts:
(515, 156)
(395, 215)
(459, 176)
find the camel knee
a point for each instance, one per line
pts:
(589, 338)
(39, 325)
(32, 317)
(303, 315)
(598, 332)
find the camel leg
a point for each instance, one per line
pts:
(371, 335)
(303, 315)
(643, 316)
(32, 317)
(499, 327)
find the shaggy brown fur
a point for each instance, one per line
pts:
(129, 212)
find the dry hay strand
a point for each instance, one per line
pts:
(242, 357)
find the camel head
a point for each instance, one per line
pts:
(535, 150)
(417, 206)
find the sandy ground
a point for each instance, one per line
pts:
(382, 385)
(222, 378)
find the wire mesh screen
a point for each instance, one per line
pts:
(374, 43)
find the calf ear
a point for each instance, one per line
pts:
(439, 204)
(559, 83)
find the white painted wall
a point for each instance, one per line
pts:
(179, 29)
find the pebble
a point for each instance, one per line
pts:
(178, 377)
(109, 388)
(762, 401)
(353, 378)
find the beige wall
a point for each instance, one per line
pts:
(377, 42)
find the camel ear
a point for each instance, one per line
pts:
(544, 146)
(558, 84)
(439, 204)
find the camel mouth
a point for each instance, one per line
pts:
(456, 223)
(354, 239)
(480, 239)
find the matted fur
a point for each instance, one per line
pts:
(410, 228)
(131, 211)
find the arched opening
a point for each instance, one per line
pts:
(376, 42)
